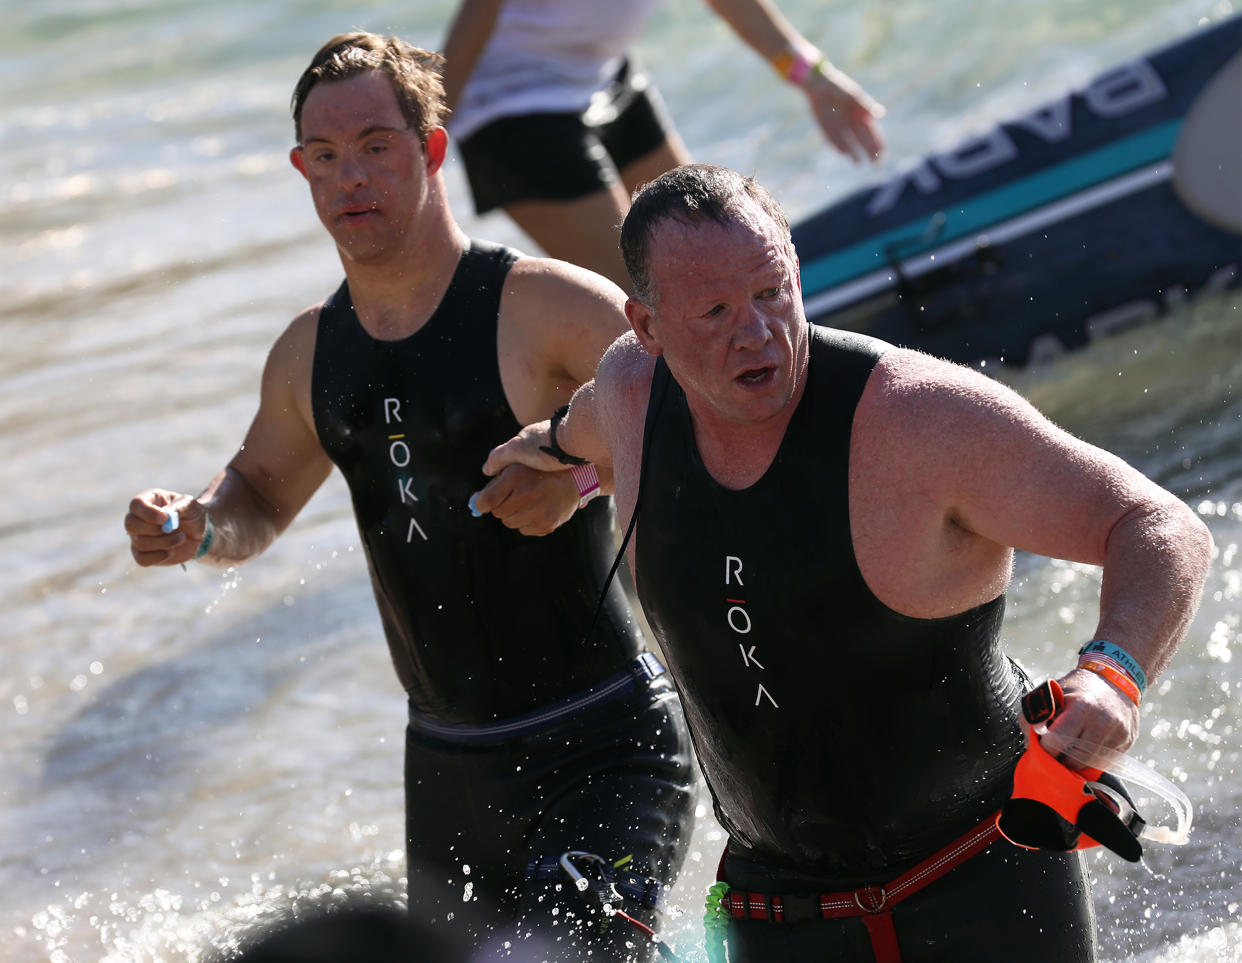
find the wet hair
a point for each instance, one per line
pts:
(415, 76)
(689, 194)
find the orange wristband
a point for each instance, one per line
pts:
(783, 62)
(1113, 675)
(795, 68)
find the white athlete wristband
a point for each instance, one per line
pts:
(587, 480)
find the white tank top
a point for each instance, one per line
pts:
(548, 56)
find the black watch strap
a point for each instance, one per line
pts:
(553, 448)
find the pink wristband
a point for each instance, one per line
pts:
(799, 70)
(587, 480)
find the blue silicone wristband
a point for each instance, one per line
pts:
(1119, 655)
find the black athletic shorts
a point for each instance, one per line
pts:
(615, 780)
(561, 157)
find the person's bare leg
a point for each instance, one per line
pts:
(583, 231)
(672, 153)
(586, 230)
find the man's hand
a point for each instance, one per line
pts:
(1095, 715)
(524, 449)
(165, 528)
(533, 502)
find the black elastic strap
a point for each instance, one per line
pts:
(638, 501)
(553, 448)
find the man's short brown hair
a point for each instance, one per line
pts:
(415, 76)
(690, 193)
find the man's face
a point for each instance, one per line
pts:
(728, 316)
(367, 170)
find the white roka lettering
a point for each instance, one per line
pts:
(739, 621)
(737, 615)
(398, 451)
(400, 455)
(748, 656)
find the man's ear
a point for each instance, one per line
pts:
(297, 160)
(436, 149)
(640, 318)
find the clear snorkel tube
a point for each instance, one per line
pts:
(1135, 775)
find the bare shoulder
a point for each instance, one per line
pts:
(969, 435)
(918, 410)
(539, 289)
(953, 419)
(557, 274)
(916, 391)
(626, 359)
(555, 321)
(622, 388)
(623, 379)
(291, 359)
(299, 336)
(932, 442)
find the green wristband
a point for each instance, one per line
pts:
(205, 545)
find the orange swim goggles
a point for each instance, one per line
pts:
(1058, 808)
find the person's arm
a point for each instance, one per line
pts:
(556, 320)
(577, 434)
(982, 471)
(247, 505)
(846, 113)
(467, 36)
(603, 423)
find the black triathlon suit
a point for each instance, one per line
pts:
(525, 741)
(842, 742)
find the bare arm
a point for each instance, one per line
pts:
(577, 434)
(1155, 561)
(962, 470)
(532, 491)
(604, 424)
(556, 320)
(467, 36)
(535, 502)
(279, 466)
(846, 113)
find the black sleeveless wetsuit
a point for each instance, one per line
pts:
(486, 625)
(842, 742)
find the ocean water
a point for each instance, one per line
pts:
(187, 756)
